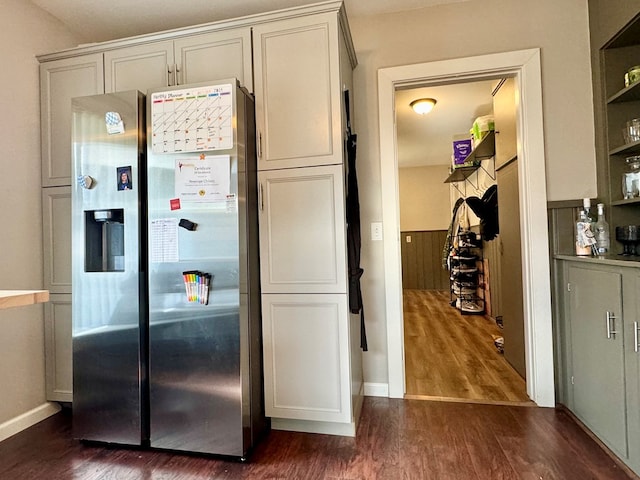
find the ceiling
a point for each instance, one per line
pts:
(100, 20)
(422, 140)
(427, 139)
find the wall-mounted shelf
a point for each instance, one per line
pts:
(461, 173)
(486, 148)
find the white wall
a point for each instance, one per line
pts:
(559, 29)
(424, 198)
(25, 31)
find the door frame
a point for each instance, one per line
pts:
(524, 65)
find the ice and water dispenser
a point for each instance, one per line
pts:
(104, 240)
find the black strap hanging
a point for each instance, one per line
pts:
(353, 228)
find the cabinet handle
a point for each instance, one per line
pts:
(261, 199)
(610, 325)
(169, 73)
(177, 76)
(635, 337)
(259, 144)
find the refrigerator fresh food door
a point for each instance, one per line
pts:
(198, 305)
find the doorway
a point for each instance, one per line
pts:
(452, 340)
(524, 65)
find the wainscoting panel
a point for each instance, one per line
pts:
(422, 260)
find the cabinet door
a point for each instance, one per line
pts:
(302, 230)
(298, 94)
(631, 285)
(58, 350)
(504, 112)
(60, 81)
(217, 55)
(56, 226)
(511, 266)
(306, 357)
(140, 67)
(598, 369)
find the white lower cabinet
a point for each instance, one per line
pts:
(307, 364)
(58, 351)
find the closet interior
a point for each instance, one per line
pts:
(462, 338)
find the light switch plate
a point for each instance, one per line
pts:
(376, 231)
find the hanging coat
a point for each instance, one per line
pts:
(353, 229)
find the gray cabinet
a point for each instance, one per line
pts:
(599, 352)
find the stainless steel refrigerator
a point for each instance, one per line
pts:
(166, 313)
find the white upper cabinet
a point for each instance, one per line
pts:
(216, 55)
(60, 81)
(191, 59)
(298, 92)
(140, 67)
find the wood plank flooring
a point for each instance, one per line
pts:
(396, 439)
(451, 355)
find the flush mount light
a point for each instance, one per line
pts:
(423, 106)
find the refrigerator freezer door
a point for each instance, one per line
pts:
(108, 343)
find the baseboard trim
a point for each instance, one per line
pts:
(308, 426)
(376, 389)
(610, 453)
(27, 419)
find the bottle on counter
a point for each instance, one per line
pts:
(586, 206)
(585, 240)
(602, 232)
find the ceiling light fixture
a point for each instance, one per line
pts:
(422, 106)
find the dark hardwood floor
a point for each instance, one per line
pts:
(453, 356)
(396, 439)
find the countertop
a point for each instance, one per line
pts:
(616, 260)
(19, 298)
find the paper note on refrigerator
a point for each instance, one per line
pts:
(203, 179)
(163, 237)
(192, 119)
